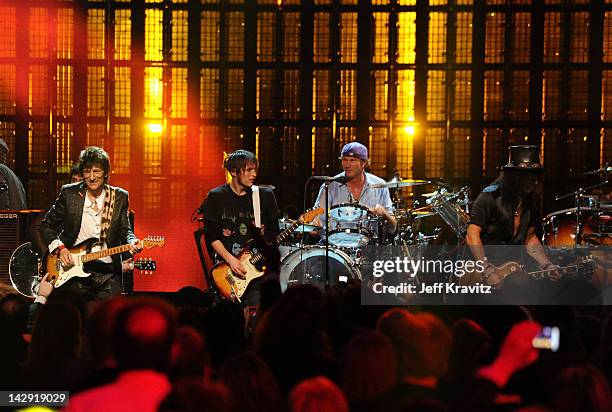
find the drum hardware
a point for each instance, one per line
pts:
(607, 169)
(456, 196)
(589, 201)
(578, 195)
(446, 205)
(560, 227)
(451, 207)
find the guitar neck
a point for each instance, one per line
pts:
(545, 273)
(104, 253)
(258, 257)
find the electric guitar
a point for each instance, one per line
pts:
(581, 270)
(60, 274)
(233, 287)
(146, 265)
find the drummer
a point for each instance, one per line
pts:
(357, 189)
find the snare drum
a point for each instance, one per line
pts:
(307, 266)
(351, 238)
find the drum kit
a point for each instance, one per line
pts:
(588, 223)
(353, 227)
(440, 219)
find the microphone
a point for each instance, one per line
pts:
(339, 179)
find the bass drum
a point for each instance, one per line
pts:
(560, 228)
(24, 269)
(306, 266)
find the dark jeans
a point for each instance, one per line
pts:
(102, 283)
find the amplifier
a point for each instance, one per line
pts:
(14, 228)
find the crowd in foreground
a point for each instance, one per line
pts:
(304, 350)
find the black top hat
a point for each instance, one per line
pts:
(524, 158)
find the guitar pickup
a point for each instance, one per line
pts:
(230, 279)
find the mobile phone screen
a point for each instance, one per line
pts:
(548, 338)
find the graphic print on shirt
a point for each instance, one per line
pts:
(227, 227)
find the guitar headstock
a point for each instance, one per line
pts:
(147, 265)
(310, 214)
(153, 241)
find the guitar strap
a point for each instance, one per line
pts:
(107, 212)
(256, 206)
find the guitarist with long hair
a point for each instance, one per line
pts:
(507, 212)
(229, 214)
(91, 209)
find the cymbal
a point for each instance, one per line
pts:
(396, 183)
(421, 214)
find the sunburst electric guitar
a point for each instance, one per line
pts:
(233, 287)
(60, 274)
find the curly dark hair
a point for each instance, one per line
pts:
(237, 161)
(94, 155)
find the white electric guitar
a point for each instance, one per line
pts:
(60, 274)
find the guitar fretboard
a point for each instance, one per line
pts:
(104, 253)
(258, 257)
(545, 273)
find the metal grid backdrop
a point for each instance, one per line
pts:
(436, 88)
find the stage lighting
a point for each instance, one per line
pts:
(155, 127)
(409, 130)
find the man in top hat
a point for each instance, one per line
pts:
(507, 212)
(12, 193)
(358, 188)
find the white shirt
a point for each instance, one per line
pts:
(340, 193)
(91, 222)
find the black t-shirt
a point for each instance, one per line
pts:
(498, 229)
(227, 217)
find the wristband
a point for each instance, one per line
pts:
(40, 299)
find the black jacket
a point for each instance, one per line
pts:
(63, 220)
